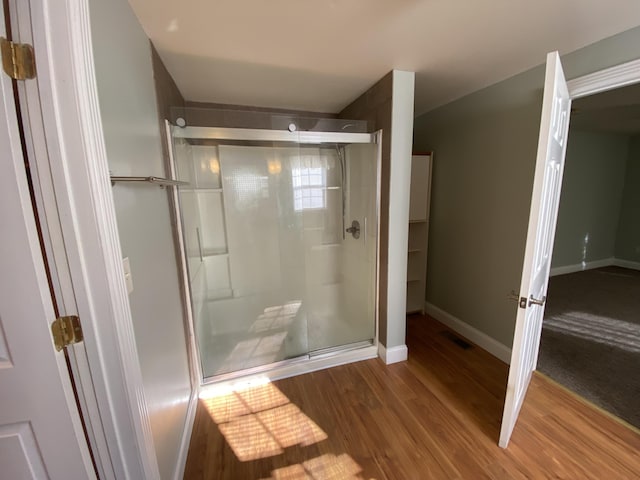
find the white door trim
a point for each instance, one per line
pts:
(52, 238)
(608, 79)
(79, 173)
(38, 409)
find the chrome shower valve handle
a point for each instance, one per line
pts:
(354, 229)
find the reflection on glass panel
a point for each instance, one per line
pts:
(206, 166)
(341, 272)
(309, 180)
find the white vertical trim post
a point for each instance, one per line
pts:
(399, 181)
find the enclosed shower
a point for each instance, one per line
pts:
(279, 242)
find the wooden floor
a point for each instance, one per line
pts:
(436, 416)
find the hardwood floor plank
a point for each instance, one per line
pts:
(436, 416)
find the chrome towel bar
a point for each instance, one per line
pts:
(161, 182)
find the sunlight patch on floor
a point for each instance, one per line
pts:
(290, 426)
(604, 330)
(332, 467)
(249, 439)
(324, 467)
(258, 420)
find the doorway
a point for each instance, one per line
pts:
(543, 217)
(590, 330)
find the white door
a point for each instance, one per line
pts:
(552, 145)
(40, 432)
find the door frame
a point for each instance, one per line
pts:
(25, 335)
(75, 164)
(617, 76)
(54, 253)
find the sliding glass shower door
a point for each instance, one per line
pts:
(341, 253)
(280, 243)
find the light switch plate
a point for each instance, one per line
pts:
(127, 274)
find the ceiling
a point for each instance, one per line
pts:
(320, 55)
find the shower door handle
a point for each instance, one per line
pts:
(199, 244)
(364, 229)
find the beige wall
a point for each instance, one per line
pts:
(388, 106)
(374, 106)
(168, 97)
(241, 116)
(484, 153)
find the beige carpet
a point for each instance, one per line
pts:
(591, 338)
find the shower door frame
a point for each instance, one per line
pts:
(306, 362)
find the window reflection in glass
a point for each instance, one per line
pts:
(309, 180)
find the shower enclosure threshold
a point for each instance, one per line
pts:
(341, 348)
(317, 360)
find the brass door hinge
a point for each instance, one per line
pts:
(18, 59)
(66, 331)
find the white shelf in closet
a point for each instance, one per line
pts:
(419, 199)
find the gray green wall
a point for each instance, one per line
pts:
(594, 177)
(484, 154)
(628, 237)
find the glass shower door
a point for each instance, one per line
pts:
(263, 321)
(272, 271)
(243, 244)
(341, 272)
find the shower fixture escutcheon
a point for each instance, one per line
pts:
(354, 229)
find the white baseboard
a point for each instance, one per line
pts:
(393, 354)
(579, 267)
(619, 262)
(186, 434)
(481, 339)
(605, 262)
